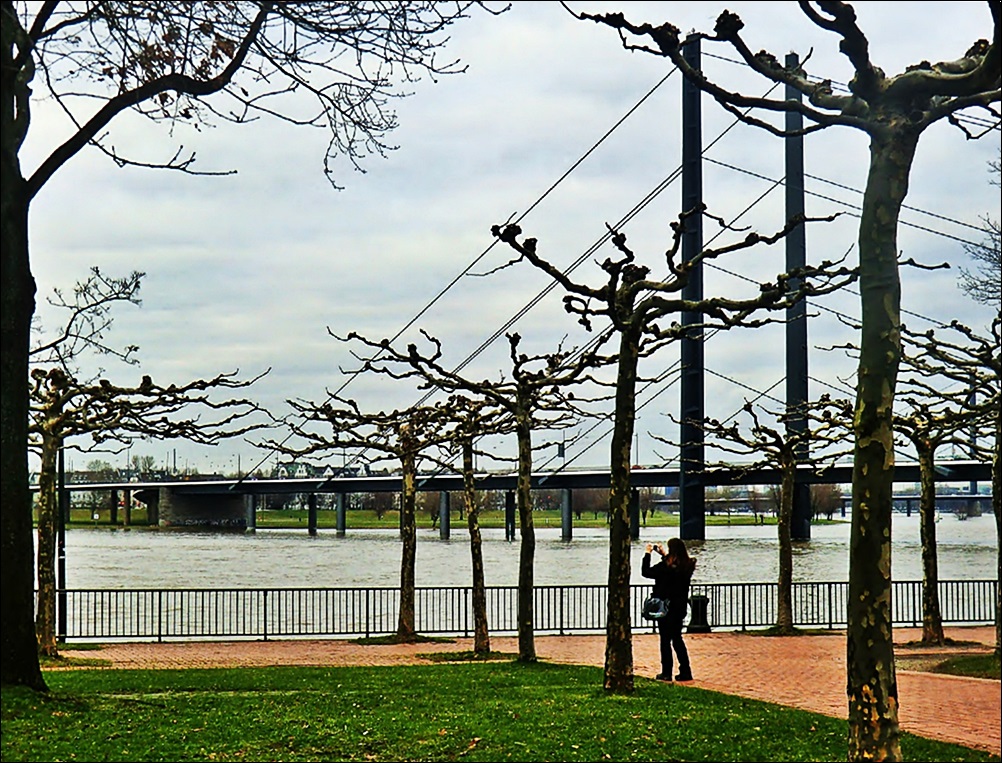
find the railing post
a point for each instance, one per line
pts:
(744, 606)
(264, 614)
(561, 620)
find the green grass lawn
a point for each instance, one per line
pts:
(478, 711)
(365, 519)
(361, 519)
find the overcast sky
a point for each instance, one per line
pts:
(249, 271)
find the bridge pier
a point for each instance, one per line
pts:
(193, 510)
(509, 515)
(311, 514)
(444, 506)
(152, 500)
(566, 514)
(339, 510)
(634, 514)
(250, 506)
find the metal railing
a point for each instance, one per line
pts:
(265, 613)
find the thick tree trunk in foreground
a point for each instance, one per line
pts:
(932, 617)
(872, 687)
(19, 649)
(619, 630)
(481, 630)
(997, 510)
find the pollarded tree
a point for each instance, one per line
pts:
(970, 363)
(535, 397)
(931, 417)
(637, 305)
(824, 424)
(472, 419)
(948, 386)
(894, 112)
(404, 436)
(331, 66)
(113, 416)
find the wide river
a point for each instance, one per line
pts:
(106, 558)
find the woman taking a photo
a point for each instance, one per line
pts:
(671, 577)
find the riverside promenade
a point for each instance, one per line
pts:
(806, 672)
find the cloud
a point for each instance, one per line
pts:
(250, 270)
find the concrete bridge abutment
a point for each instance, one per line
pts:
(190, 510)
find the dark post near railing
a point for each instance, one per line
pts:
(311, 518)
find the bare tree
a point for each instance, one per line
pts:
(955, 357)
(635, 304)
(87, 319)
(983, 283)
(475, 418)
(948, 387)
(894, 112)
(825, 423)
(114, 416)
(178, 64)
(535, 398)
(404, 435)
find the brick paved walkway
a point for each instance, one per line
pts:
(806, 672)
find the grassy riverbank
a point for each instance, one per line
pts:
(360, 519)
(478, 711)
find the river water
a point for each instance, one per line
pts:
(105, 558)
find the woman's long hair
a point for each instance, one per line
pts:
(679, 557)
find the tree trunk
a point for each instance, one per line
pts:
(932, 617)
(997, 510)
(481, 630)
(48, 505)
(527, 547)
(871, 686)
(18, 646)
(784, 527)
(619, 629)
(408, 536)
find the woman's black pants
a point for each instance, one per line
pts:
(670, 631)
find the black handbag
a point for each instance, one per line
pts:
(654, 608)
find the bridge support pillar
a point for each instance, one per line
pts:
(444, 516)
(311, 514)
(509, 515)
(250, 507)
(339, 507)
(634, 514)
(566, 516)
(197, 510)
